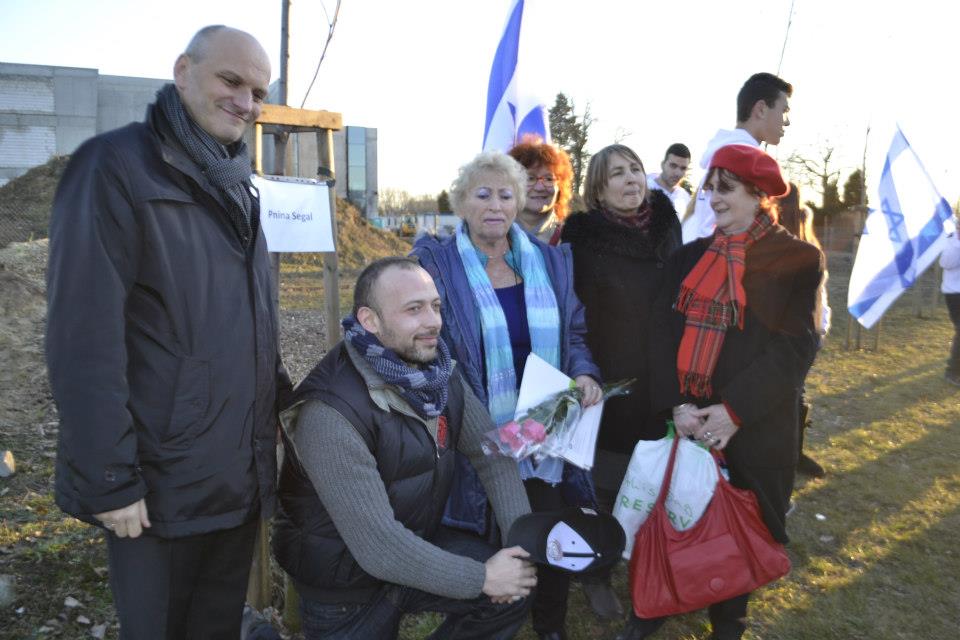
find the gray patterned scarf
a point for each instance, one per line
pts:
(425, 390)
(228, 169)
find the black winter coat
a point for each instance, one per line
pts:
(761, 368)
(617, 275)
(416, 473)
(161, 340)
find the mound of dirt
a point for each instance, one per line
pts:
(25, 204)
(359, 243)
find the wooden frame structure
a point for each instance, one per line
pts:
(280, 121)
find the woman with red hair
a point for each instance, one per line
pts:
(549, 187)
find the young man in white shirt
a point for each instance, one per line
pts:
(673, 170)
(762, 107)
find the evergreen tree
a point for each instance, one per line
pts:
(562, 122)
(443, 202)
(570, 133)
(853, 189)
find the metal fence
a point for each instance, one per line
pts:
(20, 222)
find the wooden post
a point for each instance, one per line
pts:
(331, 277)
(846, 341)
(331, 299)
(283, 120)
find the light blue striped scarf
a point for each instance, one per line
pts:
(543, 320)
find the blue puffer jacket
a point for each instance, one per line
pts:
(467, 506)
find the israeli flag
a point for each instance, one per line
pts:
(512, 109)
(900, 238)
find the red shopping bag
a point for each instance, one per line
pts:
(728, 552)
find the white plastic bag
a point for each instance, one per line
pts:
(694, 480)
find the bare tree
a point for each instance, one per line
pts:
(818, 174)
(578, 151)
(395, 202)
(621, 134)
(392, 201)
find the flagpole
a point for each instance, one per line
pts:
(863, 208)
(854, 241)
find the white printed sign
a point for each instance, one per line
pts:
(295, 216)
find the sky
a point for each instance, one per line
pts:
(652, 73)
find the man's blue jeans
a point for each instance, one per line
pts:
(477, 619)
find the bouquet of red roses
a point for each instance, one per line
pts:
(543, 429)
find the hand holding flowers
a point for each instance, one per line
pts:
(541, 429)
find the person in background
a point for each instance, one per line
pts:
(619, 250)
(762, 106)
(734, 339)
(673, 169)
(506, 295)
(950, 261)
(549, 187)
(798, 220)
(162, 345)
(370, 437)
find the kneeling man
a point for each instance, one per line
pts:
(370, 436)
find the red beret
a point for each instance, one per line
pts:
(752, 165)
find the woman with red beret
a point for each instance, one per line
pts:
(735, 335)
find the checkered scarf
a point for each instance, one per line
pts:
(227, 168)
(425, 390)
(712, 298)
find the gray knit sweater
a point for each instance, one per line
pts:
(344, 474)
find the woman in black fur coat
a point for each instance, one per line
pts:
(619, 249)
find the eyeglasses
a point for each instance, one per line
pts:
(547, 180)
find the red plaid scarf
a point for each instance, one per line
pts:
(712, 298)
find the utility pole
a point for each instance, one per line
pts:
(280, 137)
(284, 49)
(259, 586)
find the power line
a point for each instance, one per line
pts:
(331, 25)
(786, 36)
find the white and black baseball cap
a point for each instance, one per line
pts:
(573, 539)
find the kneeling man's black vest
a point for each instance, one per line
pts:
(416, 472)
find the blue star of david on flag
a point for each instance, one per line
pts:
(901, 238)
